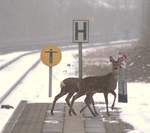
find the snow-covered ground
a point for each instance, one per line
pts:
(34, 88)
(137, 110)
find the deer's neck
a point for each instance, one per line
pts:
(115, 75)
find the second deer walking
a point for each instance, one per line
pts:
(99, 84)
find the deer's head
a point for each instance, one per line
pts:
(116, 64)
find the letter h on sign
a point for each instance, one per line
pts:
(80, 31)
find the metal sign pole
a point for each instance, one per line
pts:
(51, 52)
(50, 56)
(80, 60)
(50, 72)
(122, 82)
(80, 35)
(50, 81)
(122, 85)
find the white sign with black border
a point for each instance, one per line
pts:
(80, 31)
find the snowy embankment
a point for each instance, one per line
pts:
(137, 110)
(34, 88)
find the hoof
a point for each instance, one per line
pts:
(108, 114)
(52, 113)
(75, 113)
(69, 113)
(94, 115)
(97, 114)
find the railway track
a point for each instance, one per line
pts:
(22, 76)
(16, 59)
(12, 88)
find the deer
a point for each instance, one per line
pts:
(69, 86)
(98, 84)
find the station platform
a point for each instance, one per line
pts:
(36, 118)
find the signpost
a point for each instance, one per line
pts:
(122, 82)
(50, 56)
(80, 35)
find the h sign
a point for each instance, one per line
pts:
(80, 31)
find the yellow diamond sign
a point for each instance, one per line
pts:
(51, 55)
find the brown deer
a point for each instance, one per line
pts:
(69, 86)
(98, 84)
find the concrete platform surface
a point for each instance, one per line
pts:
(36, 118)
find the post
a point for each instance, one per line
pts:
(122, 81)
(50, 81)
(122, 85)
(80, 35)
(50, 56)
(80, 60)
(50, 52)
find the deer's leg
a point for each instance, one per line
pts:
(55, 99)
(106, 101)
(73, 100)
(93, 103)
(68, 101)
(114, 93)
(83, 108)
(88, 100)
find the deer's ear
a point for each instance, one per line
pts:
(111, 59)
